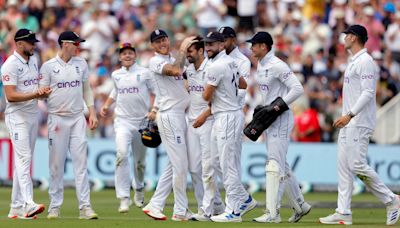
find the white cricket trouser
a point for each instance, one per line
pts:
(352, 160)
(127, 135)
(278, 137)
(173, 130)
(23, 128)
(203, 167)
(225, 135)
(68, 133)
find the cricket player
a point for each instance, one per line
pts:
(203, 165)
(172, 100)
(356, 127)
(132, 87)
(67, 74)
(275, 79)
(20, 76)
(223, 82)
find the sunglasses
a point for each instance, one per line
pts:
(72, 42)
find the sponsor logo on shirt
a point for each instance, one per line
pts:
(346, 80)
(6, 78)
(263, 87)
(196, 88)
(33, 81)
(286, 75)
(128, 90)
(71, 84)
(56, 71)
(212, 78)
(20, 70)
(368, 76)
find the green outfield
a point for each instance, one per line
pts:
(372, 215)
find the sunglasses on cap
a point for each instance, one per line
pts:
(72, 42)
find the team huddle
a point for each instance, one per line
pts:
(196, 99)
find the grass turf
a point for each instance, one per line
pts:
(106, 205)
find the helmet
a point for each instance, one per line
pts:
(149, 134)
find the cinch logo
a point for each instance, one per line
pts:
(30, 82)
(128, 90)
(263, 87)
(196, 88)
(367, 76)
(71, 84)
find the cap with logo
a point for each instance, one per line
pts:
(261, 38)
(214, 37)
(227, 32)
(358, 30)
(157, 34)
(124, 46)
(70, 37)
(25, 35)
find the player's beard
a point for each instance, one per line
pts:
(27, 52)
(214, 53)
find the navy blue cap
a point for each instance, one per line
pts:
(227, 32)
(69, 36)
(157, 34)
(261, 37)
(214, 37)
(358, 30)
(25, 35)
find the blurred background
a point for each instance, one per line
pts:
(307, 35)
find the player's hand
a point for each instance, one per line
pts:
(342, 121)
(186, 43)
(93, 122)
(44, 92)
(104, 111)
(200, 121)
(152, 116)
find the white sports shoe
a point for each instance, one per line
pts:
(393, 212)
(54, 213)
(226, 217)
(266, 218)
(139, 198)
(154, 213)
(87, 213)
(18, 213)
(305, 209)
(337, 219)
(124, 205)
(248, 205)
(201, 216)
(33, 209)
(179, 218)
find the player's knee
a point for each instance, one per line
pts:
(140, 165)
(272, 166)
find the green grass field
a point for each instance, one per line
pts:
(106, 205)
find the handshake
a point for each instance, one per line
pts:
(263, 117)
(43, 92)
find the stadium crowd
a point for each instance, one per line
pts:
(307, 34)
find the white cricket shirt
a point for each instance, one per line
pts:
(359, 90)
(244, 67)
(25, 76)
(132, 92)
(66, 81)
(223, 74)
(171, 93)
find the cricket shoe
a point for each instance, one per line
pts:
(124, 205)
(393, 212)
(248, 205)
(54, 213)
(87, 213)
(33, 209)
(226, 217)
(337, 218)
(305, 209)
(18, 213)
(180, 218)
(266, 218)
(138, 199)
(200, 216)
(153, 212)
